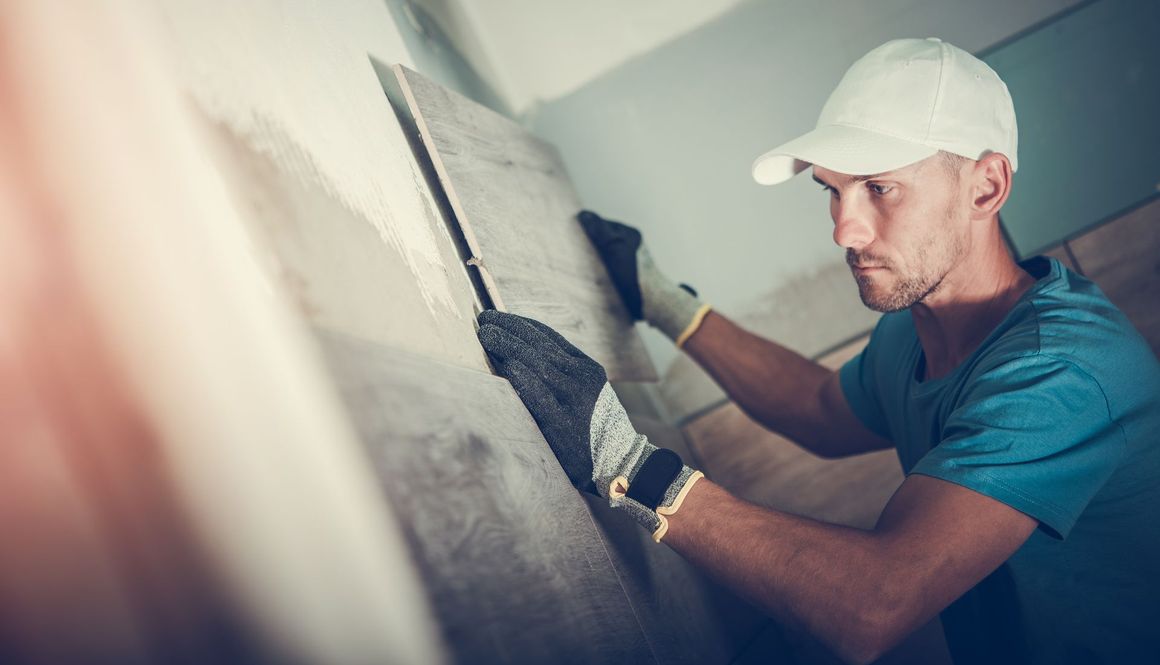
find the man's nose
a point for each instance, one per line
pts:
(852, 226)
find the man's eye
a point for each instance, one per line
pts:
(827, 188)
(879, 189)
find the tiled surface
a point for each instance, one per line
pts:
(508, 552)
(515, 207)
(687, 617)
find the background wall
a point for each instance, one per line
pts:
(1087, 92)
(534, 51)
(665, 140)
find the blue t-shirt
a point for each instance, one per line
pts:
(1056, 414)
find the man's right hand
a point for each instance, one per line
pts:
(649, 295)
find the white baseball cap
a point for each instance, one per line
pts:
(897, 105)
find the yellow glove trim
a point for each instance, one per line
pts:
(618, 488)
(664, 511)
(698, 318)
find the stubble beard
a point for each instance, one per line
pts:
(909, 288)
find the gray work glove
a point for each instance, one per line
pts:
(650, 296)
(568, 395)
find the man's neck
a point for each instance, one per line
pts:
(972, 299)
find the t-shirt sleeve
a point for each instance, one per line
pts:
(857, 378)
(1035, 433)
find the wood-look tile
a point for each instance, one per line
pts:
(687, 617)
(515, 567)
(517, 208)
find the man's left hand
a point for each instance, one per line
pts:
(569, 397)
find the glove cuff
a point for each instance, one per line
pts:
(694, 325)
(666, 306)
(620, 494)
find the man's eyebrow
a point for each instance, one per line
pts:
(854, 178)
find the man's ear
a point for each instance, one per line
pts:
(990, 185)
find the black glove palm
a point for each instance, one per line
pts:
(617, 245)
(556, 381)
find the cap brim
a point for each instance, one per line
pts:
(848, 150)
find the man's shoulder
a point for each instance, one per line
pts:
(1066, 322)
(1067, 316)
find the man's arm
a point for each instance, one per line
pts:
(859, 592)
(780, 389)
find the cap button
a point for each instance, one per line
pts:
(933, 39)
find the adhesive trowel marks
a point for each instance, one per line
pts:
(269, 79)
(517, 210)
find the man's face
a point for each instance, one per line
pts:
(903, 230)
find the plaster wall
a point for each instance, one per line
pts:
(314, 155)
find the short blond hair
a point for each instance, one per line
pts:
(952, 163)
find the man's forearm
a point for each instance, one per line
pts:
(832, 581)
(859, 592)
(777, 387)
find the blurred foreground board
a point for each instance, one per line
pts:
(516, 209)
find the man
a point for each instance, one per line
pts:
(1024, 408)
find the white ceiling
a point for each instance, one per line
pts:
(531, 50)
